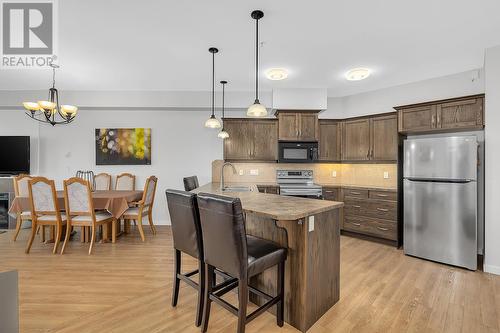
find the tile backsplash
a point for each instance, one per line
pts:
(335, 174)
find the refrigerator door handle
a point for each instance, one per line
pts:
(437, 180)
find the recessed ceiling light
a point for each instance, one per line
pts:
(357, 74)
(276, 74)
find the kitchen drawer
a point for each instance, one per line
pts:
(350, 192)
(331, 193)
(268, 189)
(370, 226)
(387, 210)
(356, 207)
(383, 195)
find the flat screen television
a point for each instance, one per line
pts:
(14, 155)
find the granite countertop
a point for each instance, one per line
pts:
(273, 206)
(367, 187)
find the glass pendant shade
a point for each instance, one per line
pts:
(47, 105)
(69, 110)
(257, 110)
(31, 106)
(212, 122)
(223, 134)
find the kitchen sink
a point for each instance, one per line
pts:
(237, 189)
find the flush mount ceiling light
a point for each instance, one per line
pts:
(277, 74)
(223, 134)
(212, 122)
(257, 109)
(49, 111)
(357, 74)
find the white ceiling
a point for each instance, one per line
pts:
(163, 45)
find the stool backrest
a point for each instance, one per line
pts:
(190, 183)
(186, 228)
(224, 234)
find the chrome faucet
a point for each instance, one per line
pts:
(222, 187)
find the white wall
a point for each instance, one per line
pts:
(181, 147)
(492, 161)
(383, 100)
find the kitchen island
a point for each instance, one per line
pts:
(310, 229)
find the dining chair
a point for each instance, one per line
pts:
(21, 190)
(190, 183)
(227, 247)
(144, 207)
(80, 210)
(125, 182)
(102, 182)
(45, 209)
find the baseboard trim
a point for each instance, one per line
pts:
(491, 269)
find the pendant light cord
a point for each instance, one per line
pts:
(223, 90)
(213, 84)
(257, 59)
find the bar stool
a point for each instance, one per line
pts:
(186, 232)
(190, 183)
(227, 247)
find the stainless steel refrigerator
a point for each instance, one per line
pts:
(441, 199)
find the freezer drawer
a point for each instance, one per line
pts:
(440, 222)
(441, 158)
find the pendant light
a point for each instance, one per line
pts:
(223, 134)
(49, 111)
(213, 122)
(257, 109)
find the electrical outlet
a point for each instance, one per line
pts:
(334, 174)
(254, 172)
(386, 175)
(311, 223)
(241, 172)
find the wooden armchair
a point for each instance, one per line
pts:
(80, 210)
(21, 190)
(44, 209)
(102, 182)
(125, 182)
(144, 207)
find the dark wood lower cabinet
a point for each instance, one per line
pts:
(269, 189)
(371, 212)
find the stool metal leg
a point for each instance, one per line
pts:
(177, 270)
(281, 292)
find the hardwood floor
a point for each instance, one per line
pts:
(126, 287)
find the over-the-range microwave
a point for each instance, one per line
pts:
(297, 152)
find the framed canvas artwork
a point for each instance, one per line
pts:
(123, 146)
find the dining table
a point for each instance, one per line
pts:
(116, 202)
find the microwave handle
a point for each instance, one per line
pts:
(313, 154)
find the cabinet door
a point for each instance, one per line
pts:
(417, 119)
(356, 140)
(331, 193)
(384, 143)
(288, 126)
(308, 126)
(329, 140)
(265, 140)
(460, 114)
(239, 145)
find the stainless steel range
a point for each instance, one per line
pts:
(298, 183)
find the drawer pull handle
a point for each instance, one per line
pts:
(382, 195)
(329, 191)
(382, 209)
(383, 229)
(356, 206)
(356, 224)
(355, 193)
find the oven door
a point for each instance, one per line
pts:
(298, 152)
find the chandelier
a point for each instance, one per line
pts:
(49, 111)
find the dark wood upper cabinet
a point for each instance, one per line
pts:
(265, 140)
(384, 138)
(464, 113)
(330, 135)
(356, 140)
(297, 126)
(251, 140)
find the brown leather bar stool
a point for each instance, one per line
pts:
(186, 232)
(227, 248)
(190, 183)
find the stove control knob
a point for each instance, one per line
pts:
(309, 173)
